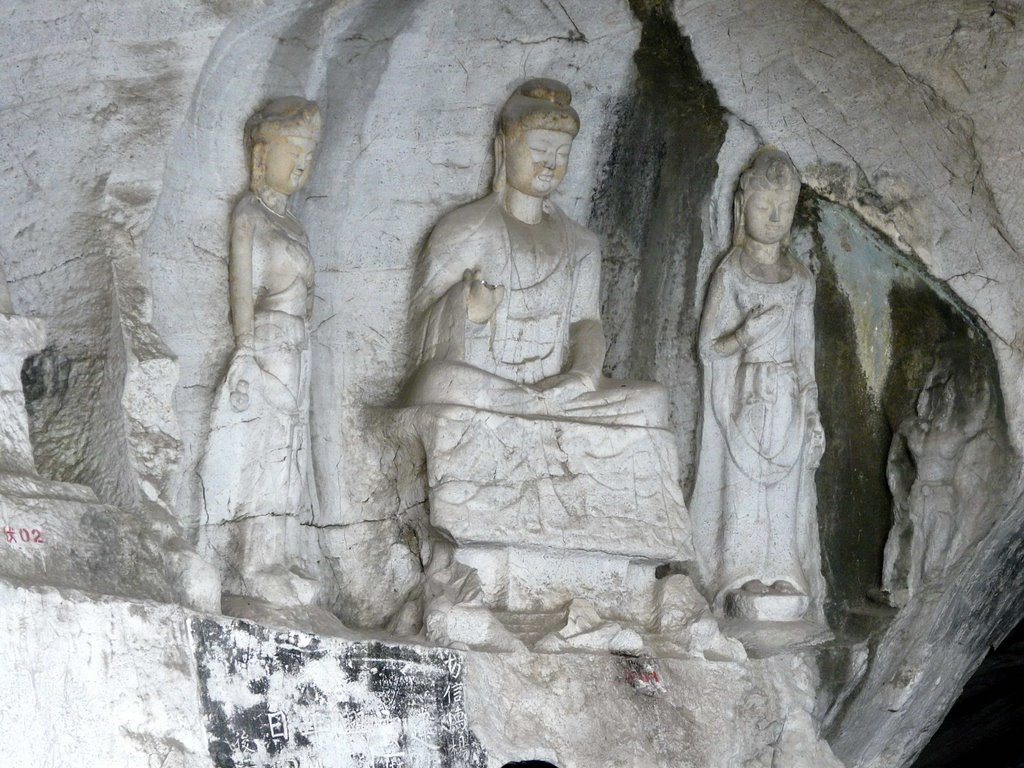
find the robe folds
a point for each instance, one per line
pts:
(754, 504)
(527, 340)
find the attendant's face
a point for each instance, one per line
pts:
(768, 214)
(286, 163)
(536, 161)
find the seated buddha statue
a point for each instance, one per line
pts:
(506, 310)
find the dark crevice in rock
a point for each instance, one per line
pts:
(987, 716)
(923, 326)
(853, 500)
(886, 332)
(648, 206)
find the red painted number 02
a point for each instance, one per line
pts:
(24, 535)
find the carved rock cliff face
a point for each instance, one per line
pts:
(82, 180)
(409, 94)
(123, 128)
(843, 91)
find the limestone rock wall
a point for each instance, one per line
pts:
(92, 97)
(894, 130)
(151, 684)
(776, 75)
(123, 126)
(409, 93)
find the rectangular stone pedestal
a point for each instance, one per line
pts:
(547, 511)
(564, 485)
(535, 579)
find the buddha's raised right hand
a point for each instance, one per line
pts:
(482, 298)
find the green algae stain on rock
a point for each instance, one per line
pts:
(881, 323)
(864, 271)
(853, 500)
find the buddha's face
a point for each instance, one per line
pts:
(768, 213)
(286, 163)
(536, 161)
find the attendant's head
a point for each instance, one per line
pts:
(766, 198)
(280, 139)
(536, 129)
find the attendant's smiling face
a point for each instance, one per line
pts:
(536, 161)
(286, 163)
(768, 213)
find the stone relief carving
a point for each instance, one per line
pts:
(939, 463)
(255, 475)
(506, 310)
(392, 59)
(553, 493)
(753, 505)
(61, 534)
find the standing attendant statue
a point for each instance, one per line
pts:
(257, 485)
(754, 506)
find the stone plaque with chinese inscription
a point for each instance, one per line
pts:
(277, 699)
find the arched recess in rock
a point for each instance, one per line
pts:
(664, 203)
(409, 92)
(868, 135)
(884, 329)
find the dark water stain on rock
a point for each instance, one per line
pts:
(907, 323)
(648, 204)
(853, 498)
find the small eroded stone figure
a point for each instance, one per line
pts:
(753, 506)
(256, 479)
(936, 480)
(506, 313)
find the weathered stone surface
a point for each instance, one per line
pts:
(255, 475)
(939, 213)
(410, 93)
(94, 96)
(670, 712)
(811, 81)
(754, 504)
(286, 697)
(145, 371)
(19, 338)
(131, 683)
(97, 682)
(60, 534)
(902, 111)
(496, 479)
(534, 514)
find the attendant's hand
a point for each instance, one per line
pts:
(243, 374)
(482, 299)
(815, 437)
(759, 323)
